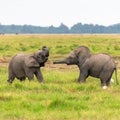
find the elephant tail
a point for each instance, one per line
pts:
(116, 76)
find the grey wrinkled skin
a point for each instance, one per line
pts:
(97, 65)
(24, 66)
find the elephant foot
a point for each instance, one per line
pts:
(9, 81)
(40, 81)
(22, 78)
(30, 78)
(81, 81)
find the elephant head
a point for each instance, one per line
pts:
(76, 57)
(37, 59)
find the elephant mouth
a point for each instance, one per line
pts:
(42, 64)
(46, 59)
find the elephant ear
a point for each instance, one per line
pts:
(82, 53)
(30, 61)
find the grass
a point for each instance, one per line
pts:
(58, 44)
(60, 97)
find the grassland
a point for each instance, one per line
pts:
(60, 97)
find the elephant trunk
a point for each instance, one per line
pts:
(60, 62)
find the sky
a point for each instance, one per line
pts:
(54, 12)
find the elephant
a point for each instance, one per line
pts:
(23, 66)
(98, 65)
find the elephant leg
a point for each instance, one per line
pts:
(30, 76)
(39, 75)
(11, 78)
(103, 82)
(22, 78)
(79, 78)
(108, 81)
(29, 73)
(82, 76)
(105, 77)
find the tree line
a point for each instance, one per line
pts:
(78, 28)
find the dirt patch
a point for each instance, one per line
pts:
(49, 65)
(3, 62)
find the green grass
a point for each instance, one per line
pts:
(60, 97)
(58, 44)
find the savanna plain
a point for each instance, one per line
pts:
(60, 97)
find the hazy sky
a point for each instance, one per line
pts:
(55, 12)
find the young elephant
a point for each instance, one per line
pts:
(99, 65)
(22, 66)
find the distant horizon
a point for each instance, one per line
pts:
(62, 28)
(60, 24)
